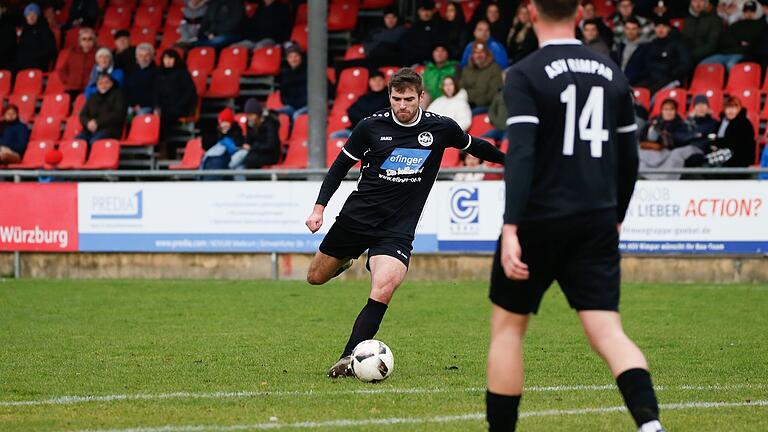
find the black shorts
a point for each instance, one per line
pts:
(343, 243)
(580, 252)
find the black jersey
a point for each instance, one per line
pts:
(399, 166)
(581, 102)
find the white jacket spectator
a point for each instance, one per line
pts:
(453, 104)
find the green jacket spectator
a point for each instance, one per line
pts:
(436, 71)
(701, 30)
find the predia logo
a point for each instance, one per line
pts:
(465, 210)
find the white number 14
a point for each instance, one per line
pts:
(590, 120)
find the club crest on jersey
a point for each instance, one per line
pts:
(425, 139)
(404, 161)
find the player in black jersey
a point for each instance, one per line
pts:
(569, 174)
(400, 150)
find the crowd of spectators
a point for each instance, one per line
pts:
(656, 43)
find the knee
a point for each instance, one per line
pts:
(601, 339)
(314, 277)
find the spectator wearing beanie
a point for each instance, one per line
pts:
(103, 115)
(175, 96)
(703, 123)
(227, 141)
(37, 45)
(14, 136)
(701, 30)
(104, 64)
(732, 11)
(293, 83)
(76, 71)
(481, 78)
(436, 70)
(263, 138)
(669, 61)
(125, 54)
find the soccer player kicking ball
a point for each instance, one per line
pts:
(400, 150)
(569, 175)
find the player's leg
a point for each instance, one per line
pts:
(335, 253)
(627, 364)
(324, 267)
(505, 368)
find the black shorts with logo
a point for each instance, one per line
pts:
(580, 252)
(341, 243)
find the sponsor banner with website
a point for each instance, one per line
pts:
(38, 217)
(211, 217)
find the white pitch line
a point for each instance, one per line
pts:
(418, 420)
(70, 400)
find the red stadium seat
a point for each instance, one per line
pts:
(743, 76)
(643, 95)
(117, 17)
(250, 8)
(677, 23)
(73, 127)
(171, 35)
(34, 156)
(337, 122)
(285, 127)
(355, 52)
(46, 128)
(342, 16)
(388, 71)
(301, 14)
(141, 35)
(715, 99)
(353, 80)
(342, 102)
(481, 124)
(26, 105)
(200, 78)
(235, 58)
(5, 83)
(73, 154)
(145, 130)
(273, 101)
(419, 69)
(105, 154)
(707, 76)
(330, 73)
(225, 83)
(155, 3)
(298, 151)
(79, 104)
(451, 158)
(148, 17)
(678, 94)
(265, 61)
(193, 155)
(604, 8)
(750, 99)
(202, 59)
(54, 85)
(468, 7)
(376, 4)
(61, 59)
(29, 82)
(71, 38)
(300, 35)
(106, 38)
(174, 16)
(242, 120)
(332, 149)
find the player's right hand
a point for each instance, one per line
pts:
(511, 256)
(314, 221)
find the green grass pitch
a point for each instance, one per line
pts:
(166, 356)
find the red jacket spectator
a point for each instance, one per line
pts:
(77, 70)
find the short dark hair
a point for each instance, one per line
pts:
(669, 101)
(594, 21)
(406, 78)
(557, 10)
(632, 20)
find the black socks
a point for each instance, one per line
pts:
(366, 325)
(636, 388)
(501, 412)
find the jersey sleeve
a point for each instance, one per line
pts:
(625, 122)
(357, 142)
(458, 137)
(518, 96)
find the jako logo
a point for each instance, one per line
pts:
(465, 206)
(386, 138)
(118, 206)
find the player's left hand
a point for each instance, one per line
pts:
(511, 256)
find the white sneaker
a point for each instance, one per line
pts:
(651, 426)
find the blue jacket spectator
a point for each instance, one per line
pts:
(37, 45)
(104, 64)
(14, 136)
(482, 33)
(141, 84)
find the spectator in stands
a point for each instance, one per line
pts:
(456, 33)
(125, 54)
(657, 8)
(469, 161)
(626, 10)
(37, 45)
(497, 114)
(140, 85)
(385, 43)
(701, 30)
(374, 100)
(482, 35)
(738, 40)
(293, 83)
(227, 141)
(269, 25)
(591, 37)
(705, 128)
(453, 103)
(14, 136)
(631, 54)
(737, 134)
(76, 71)
(428, 30)
(481, 78)
(104, 64)
(221, 24)
(666, 142)
(82, 13)
(669, 61)
(436, 70)
(103, 115)
(760, 48)
(175, 96)
(522, 39)
(7, 39)
(732, 11)
(194, 11)
(589, 14)
(498, 25)
(262, 141)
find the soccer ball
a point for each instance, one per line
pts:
(372, 361)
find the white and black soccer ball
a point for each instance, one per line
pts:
(372, 361)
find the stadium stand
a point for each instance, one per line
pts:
(73, 154)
